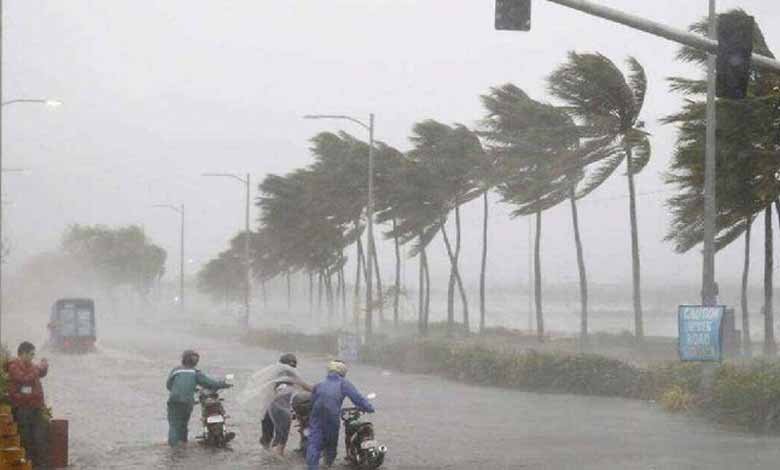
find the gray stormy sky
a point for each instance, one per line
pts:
(157, 92)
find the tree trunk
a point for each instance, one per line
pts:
(289, 292)
(337, 294)
(320, 282)
(311, 293)
(421, 292)
(344, 313)
(581, 268)
(379, 292)
(459, 279)
(397, 277)
(265, 298)
(427, 290)
(538, 278)
(454, 266)
(769, 331)
(747, 345)
(356, 298)
(329, 296)
(639, 331)
(484, 262)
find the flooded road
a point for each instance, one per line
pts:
(115, 402)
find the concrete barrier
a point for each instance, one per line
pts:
(12, 455)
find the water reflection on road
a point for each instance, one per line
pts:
(115, 401)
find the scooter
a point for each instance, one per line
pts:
(213, 418)
(363, 451)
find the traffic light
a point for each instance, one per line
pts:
(513, 15)
(735, 45)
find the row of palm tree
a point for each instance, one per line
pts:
(535, 155)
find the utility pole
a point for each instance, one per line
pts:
(247, 262)
(181, 261)
(370, 219)
(179, 210)
(708, 296)
(369, 208)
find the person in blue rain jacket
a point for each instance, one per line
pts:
(181, 384)
(325, 420)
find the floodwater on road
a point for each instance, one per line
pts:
(115, 402)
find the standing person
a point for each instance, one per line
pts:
(181, 383)
(25, 393)
(325, 419)
(277, 420)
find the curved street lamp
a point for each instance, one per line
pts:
(179, 210)
(247, 262)
(370, 209)
(47, 102)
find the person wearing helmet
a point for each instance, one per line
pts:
(325, 419)
(277, 420)
(181, 384)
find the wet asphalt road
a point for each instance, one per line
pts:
(115, 402)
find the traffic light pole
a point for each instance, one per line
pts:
(708, 290)
(709, 44)
(677, 35)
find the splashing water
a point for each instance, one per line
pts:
(259, 389)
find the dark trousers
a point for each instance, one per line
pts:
(32, 433)
(268, 430)
(178, 421)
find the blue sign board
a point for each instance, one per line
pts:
(700, 332)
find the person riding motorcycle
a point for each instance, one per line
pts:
(277, 420)
(181, 383)
(325, 420)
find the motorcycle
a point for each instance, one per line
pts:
(363, 451)
(213, 418)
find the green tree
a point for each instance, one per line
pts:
(534, 145)
(607, 105)
(117, 257)
(388, 175)
(415, 208)
(452, 153)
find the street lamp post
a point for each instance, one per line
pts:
(247, 262)
(47, 102)
(370, 208)
(179, 210)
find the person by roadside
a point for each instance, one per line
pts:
(25, 393)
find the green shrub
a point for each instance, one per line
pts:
(549, 372)
(747, 395)
(677, 398)
(657, 379)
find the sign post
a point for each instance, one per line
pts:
(701, 332)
